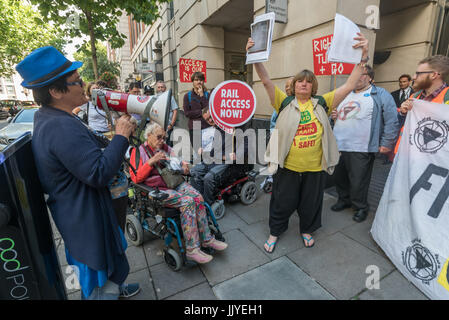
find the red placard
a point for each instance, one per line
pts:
(232, 103)
(187, 67)
(321, 66)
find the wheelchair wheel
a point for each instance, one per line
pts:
(248, 194)
(268, 187)
(134, 230)
(172, 259)
(219, 209)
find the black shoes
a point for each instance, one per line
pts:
(360, 215)
(340, 206)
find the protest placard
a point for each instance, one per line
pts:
(321, 66)
(232, 103)
(262, 34)
(187, 67)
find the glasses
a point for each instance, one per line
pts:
(75, 83)
(419, 72)
(161, 137)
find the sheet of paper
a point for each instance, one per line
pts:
(262, 34)
(341, 47)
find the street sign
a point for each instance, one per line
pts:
(187, 67)
(232, 103)
(280, 9)
(322, 67)
(146, 67)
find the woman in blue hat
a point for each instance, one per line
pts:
(75, 166)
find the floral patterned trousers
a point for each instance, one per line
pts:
(193, 214)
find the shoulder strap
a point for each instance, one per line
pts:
(285, 103)
(322, 102)
(190, 95)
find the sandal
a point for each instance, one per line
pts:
(198, 256)
(307, 241)
(215, 244)
(273, 244)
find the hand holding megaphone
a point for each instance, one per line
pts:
(157, 107)
(124, 126)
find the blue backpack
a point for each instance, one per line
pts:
(190, 95)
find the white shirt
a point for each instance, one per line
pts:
(97, 118)
(353, 125)
(207, 138)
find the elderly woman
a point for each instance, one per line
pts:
(184, 197)
(306, 148)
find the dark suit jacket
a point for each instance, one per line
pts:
(396, 96)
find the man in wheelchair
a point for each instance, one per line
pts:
(149, 161)
(208, 176)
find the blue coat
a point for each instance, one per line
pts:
(74, 172)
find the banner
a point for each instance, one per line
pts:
(411, 223)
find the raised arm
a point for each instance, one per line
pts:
(356, 73)
(263, 75)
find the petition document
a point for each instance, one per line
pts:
(341, 47)
(262, 34)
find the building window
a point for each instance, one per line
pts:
(10, 90)
(2, 90)
(443, 43)
(171, 10)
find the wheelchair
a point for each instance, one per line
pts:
(148, 214)
(239, 184)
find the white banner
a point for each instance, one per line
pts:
(412, 220)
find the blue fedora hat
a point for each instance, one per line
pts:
(43, 66)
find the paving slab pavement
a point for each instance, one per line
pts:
(335, 268)
(283, 278)
(339, 264)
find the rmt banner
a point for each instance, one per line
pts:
(321, 66)
(412, 219)
(232, 103)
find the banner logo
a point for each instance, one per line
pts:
(431, 135)
(420, 262)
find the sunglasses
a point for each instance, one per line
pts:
(75, 83)
(161, 137)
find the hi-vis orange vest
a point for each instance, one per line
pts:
(441, 98)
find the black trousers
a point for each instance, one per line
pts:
(352, 178)
(120, 205)
(207, 178)
(296, 191)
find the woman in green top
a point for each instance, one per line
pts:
(306, 147)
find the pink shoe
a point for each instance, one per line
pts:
(215, 244)
(198, 256)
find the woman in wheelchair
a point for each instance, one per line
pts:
(155, 152)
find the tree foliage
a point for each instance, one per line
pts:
(84, 55)
(97, 19)
(22, 31)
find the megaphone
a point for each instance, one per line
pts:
(156, 108)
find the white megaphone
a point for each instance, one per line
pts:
(156, 107)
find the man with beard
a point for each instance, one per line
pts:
(429, 85)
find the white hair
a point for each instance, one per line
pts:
(150, 128)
